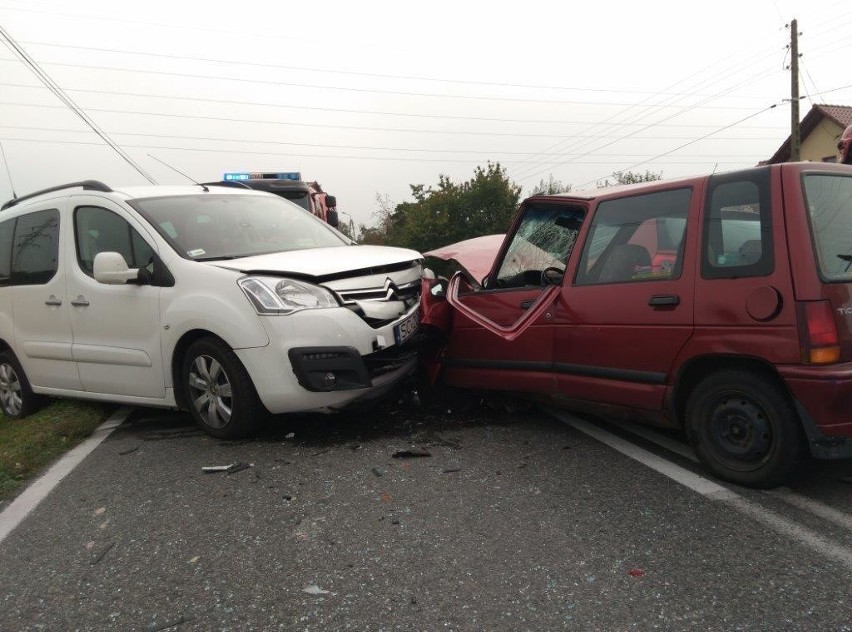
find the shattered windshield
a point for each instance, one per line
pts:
(544, 239)
(829, 202)
(208, 226)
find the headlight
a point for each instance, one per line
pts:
(288, 296)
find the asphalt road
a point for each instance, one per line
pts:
(515, 521)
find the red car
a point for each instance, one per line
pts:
(721, 304)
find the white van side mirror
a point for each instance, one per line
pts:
(111, 268)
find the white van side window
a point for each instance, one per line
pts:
(35, 252)
(7, 231)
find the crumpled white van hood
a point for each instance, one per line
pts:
(321, 262)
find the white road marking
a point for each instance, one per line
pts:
(780, 524)
(29, 499)
(815, 507)
(661, 440)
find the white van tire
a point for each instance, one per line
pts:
(219, 392)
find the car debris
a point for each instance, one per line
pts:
(128, 451)
(237, 466)
(169, 623)
(378, 472)
(410, 454)
(313, 589)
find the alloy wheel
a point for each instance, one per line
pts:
(211, 391)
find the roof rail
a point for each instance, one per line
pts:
(88, 185)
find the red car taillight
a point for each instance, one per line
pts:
(820, 343)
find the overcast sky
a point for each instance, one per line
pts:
(369, 97)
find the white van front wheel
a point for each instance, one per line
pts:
(219, 392)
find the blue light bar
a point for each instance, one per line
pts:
(285, 175)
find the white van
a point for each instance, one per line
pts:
(225, 302)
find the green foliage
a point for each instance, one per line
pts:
(550, 187)
(449, 212)
(27, 445)
(629, 177)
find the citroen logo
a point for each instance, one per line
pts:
(391, 291)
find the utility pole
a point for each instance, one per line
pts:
(795, 136)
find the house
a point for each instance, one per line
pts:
(821, 130)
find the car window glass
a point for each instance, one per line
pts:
(7, 230)
(544, 239)
(214, 226)
(636, 238)
(35, 251)
(737, 232)
(829, 203)
(99, 230)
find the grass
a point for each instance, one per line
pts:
(28, 445)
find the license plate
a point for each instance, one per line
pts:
(404, 330)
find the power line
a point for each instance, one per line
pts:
(648, 111)
(692, 142)
(332, 156)
(354, 73)
(406, 130)
(292, 84)
(60, 94)
(319, 145)
(315, 108)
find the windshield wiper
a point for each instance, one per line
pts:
(222, 258)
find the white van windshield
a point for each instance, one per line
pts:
(829, 201)
(208, 226)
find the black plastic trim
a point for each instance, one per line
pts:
(623, 375)
(345, 362)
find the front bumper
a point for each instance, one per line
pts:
(290, 374)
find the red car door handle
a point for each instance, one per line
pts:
(664, 299)
(526, 304)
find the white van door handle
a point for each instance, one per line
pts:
(80, 301)
(53, 300)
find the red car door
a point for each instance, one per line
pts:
(627, 310)
(503, 332)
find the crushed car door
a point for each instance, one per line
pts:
(502, 336)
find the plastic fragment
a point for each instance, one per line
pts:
(210, 469)
(452, 470)
(128, 451)
(378, 472)
(237, 466)
(313, 589)
(290, 435)
(165, 625)
(409, 454)
(636, 572)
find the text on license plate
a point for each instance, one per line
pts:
(404, 330)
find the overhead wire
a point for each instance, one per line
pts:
(359, 90)
(311, 108)
(692, 142)
(315, 145)
(645, 112)
(301, 155)
(62, 96)
(354, 73)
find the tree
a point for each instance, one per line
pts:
(449, 212)
(629, 177)
(550, 187)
